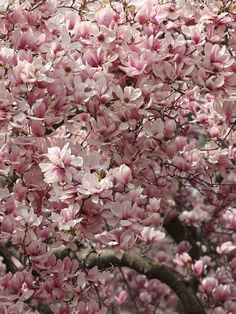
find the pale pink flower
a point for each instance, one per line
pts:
(208, 285)
(124, 239)
(3, 5)
(7, 56)
(230, 218)
(86, 29)
(195, 32)
(20, 191)
(53, 174)
(129, 96)
(198, 268)
(30, 218)
(222, 293)
(122, 297)
(92, 185)
(8, 224)
(145, 298)
(154, 128)
(136, 64)
(106, 16)
(94, 58)
(169, 128)
(217, 56)
(37, 128)
(183, 259)
(2, 267)
(226, 248)
(59, 167)
(17, 308)
(123, 174)
(154, 205)
(106, 35)
(30, 72)
(150, 235)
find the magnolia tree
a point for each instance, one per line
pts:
(118, 157)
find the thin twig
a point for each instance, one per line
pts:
(129, 289)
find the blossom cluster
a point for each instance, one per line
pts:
(115, 118)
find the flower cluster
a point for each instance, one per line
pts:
(117, 121)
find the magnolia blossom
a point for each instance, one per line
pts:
(230, 218)
(7, 224)
(183, 259)
(4, 5)
(150, 235)
(198, 268)
(92, 185)
(222, 293)
(208, 285)
(28, 72)
(226, 248)
(129, 96)
(117, 149)
(123, 174)
(61, 161)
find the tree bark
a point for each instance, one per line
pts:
(179, 232)
(152, 270)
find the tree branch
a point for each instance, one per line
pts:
(7, 260)
(152, 270)
(179, 232)
(11, 267)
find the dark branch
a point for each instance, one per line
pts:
(11, 267)
(152, 270)
(7, 260)
(179, 233)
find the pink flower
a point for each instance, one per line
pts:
(8, 224)
(195, 32)
(7, 56)
(183, 259)
(198, 268)
(53, 174)
(129, 96)
(30, 72)
(59, 167)
(150, 235)
(106, 16)
(94, 58)
(124, 239)
(217, 56)
(34, 178)
(169, 128)
(222, 293)
(86, 29)
(208, 285)
(226, 248)
(92, 185)
(123, 174)
(4, 5)
(106, 35)
(122, 297)
(184, 246)
(136, 64)
(230, 218)
(37, 127)
(70, 266)
(20, 191)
